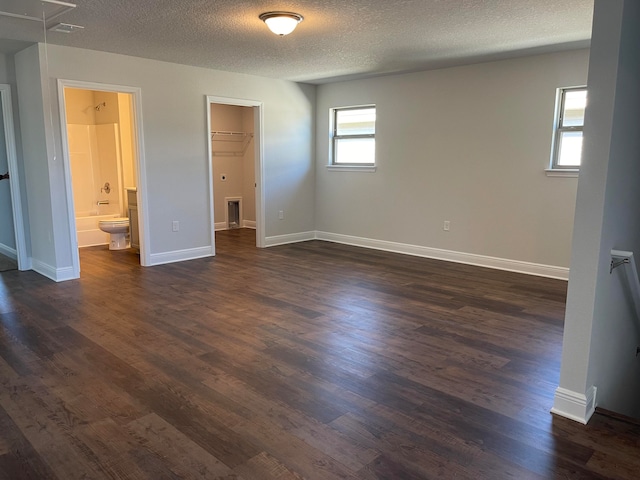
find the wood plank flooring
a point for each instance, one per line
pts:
(7, 263)
(311, 360)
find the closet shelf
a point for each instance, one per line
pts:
(230, 144)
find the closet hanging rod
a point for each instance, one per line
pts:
(220, 133)
(241, 139)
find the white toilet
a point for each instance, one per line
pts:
(117, 228)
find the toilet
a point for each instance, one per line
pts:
(117, 228)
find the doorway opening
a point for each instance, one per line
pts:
(13, 250)
(236, 170)
(103, 157)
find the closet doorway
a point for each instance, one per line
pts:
(235, 166)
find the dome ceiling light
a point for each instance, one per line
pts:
(281, 23)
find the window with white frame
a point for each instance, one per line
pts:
(567, 140)
(354, 136)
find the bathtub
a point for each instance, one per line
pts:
(89, 233)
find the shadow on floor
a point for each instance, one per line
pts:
(7, 263)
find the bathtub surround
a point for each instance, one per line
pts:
(94, 155)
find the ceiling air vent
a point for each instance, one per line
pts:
(65, 28)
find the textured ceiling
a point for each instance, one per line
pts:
(337, 39)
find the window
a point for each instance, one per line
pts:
(354, 136)
(567, 141)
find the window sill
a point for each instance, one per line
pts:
(562, 172)
(351, 168)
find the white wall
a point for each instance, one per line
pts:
(466, 144)
(602, 329)
(7, 233)
(50, 248)
(8, 76)
(175, 142)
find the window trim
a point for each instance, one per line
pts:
(333, 165)
(555, 169)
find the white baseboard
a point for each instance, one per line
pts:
(529, 268)
(7, 251)
(289, 238)
(55, 274)
(64, 274)
(573, 405)
(27, 264)
(245, 224)
(180, 255)
(550, 271)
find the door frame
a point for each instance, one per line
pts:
(24, 262)
(258, 122)
(140, 170)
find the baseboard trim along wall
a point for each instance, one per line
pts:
(7, 251)
(180, 255)
(573, 405)
(289, 238)
(55, 274)
(245, 224)
(518, 266)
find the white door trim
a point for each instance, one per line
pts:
(259, 164)
(24, 262)
(139, 165)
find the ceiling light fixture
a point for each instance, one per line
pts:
(281, 23)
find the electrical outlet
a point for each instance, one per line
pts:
(446, 226)
(281, 214)
(175, 226)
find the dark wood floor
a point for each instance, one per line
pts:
(312, 360)
(7, 263)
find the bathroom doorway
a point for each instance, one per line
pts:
(235, 161)
(103, 157)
